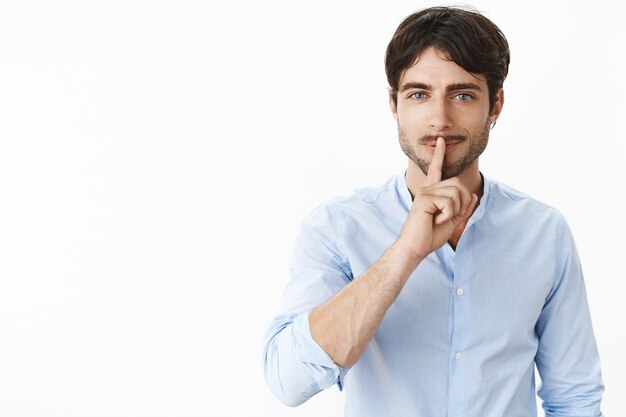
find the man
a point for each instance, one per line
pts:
(437, 293)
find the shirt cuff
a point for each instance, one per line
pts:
(324, 371)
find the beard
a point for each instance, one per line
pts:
(478, 142)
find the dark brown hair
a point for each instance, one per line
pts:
(468, 38)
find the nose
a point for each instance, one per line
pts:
(439, 117)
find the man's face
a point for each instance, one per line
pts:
(436, 97)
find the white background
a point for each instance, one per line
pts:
(157, 158)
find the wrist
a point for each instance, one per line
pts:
(405, 254)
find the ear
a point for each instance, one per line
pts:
(497, 107)
(392, 105)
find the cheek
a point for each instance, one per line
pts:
(409, 119)
(471, 119)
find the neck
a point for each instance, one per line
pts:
(470, 178)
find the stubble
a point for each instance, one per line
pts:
(478, 143)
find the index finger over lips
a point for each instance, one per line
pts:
(436, 163)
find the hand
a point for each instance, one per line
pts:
(438, 209)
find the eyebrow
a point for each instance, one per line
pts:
(451, 87)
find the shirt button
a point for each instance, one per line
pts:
(457, 356)
(459, 291)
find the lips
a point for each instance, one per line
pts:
(430, 146)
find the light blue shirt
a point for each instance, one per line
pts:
(466, 331)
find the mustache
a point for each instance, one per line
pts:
(425, 140)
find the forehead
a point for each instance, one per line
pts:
(433, 67)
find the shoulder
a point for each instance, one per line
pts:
(361, 202)
(506, 196)
(522, 206)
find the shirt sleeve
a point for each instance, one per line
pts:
(567, 357)
(295, 366)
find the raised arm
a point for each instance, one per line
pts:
(313, 351)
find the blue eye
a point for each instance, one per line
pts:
(464, 96)
(418, 95)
